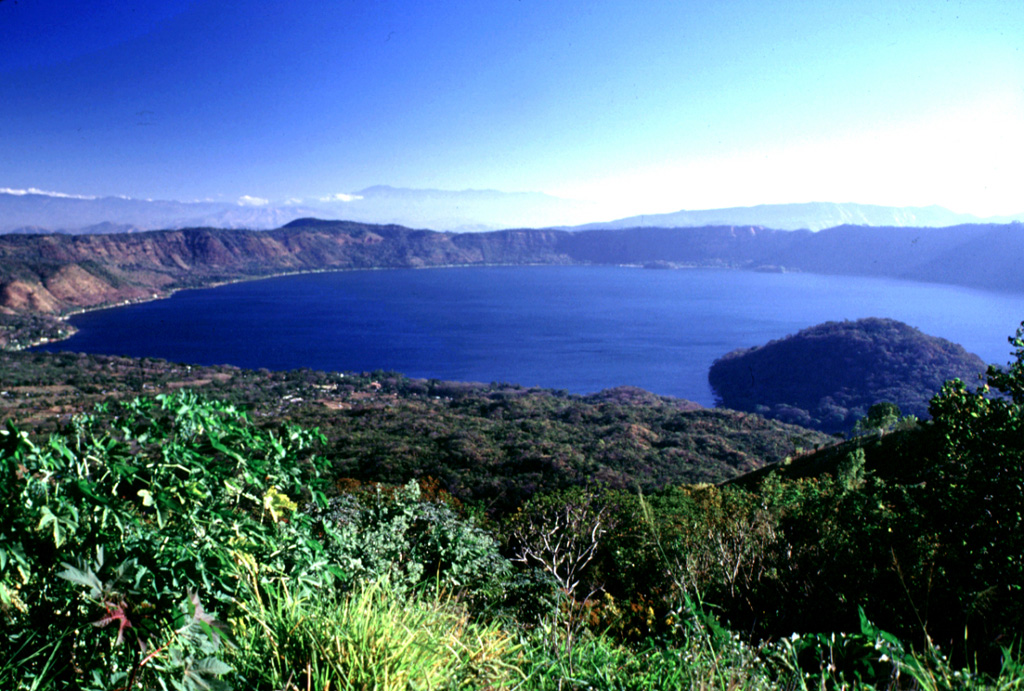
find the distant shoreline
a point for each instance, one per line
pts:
(64, 317)
(42, 277)
(649, 266)
(579, 328)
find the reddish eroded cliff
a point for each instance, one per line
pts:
(55, 274)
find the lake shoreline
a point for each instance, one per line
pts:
(582, 328)
(65, 316)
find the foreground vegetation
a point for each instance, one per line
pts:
(173, 541)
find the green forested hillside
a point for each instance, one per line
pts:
(492, 445)
(828, 376)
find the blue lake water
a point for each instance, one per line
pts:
(577, 328)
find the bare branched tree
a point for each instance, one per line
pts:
(561, 535)
(563, 539)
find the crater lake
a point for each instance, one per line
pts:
(577, 328)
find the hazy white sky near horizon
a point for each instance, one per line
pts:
(644, 107)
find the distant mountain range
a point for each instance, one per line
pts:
(459, 211)
(36, 212)
(809, 216)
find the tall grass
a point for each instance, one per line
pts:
(370, 638)
(600, 664)
(31, 665)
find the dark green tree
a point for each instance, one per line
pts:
(974, 496)
(881, 417)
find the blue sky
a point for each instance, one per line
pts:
(644, 107)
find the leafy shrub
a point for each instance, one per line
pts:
(137, 518)
(131, 514)
(390, 533)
